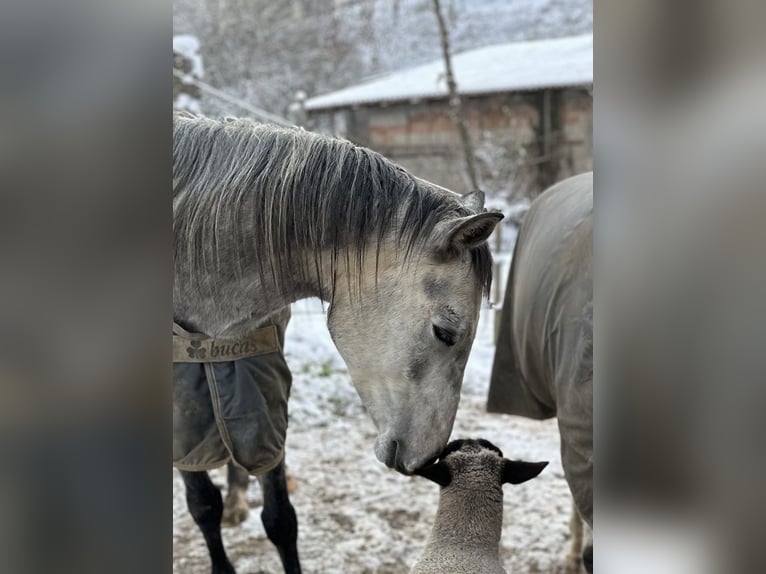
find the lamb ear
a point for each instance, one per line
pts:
(437, 472)
(467, 232)
(518, 471)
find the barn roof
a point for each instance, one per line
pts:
(552, 63)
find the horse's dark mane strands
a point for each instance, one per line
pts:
(238, 184)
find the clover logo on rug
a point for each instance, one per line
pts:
(195, 352)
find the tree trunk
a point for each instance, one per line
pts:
(454, 100)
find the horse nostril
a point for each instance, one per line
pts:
(391, 452)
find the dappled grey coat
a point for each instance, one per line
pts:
(544, 360)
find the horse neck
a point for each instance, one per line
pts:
(329, 281)
(238, 302)
(239, 305)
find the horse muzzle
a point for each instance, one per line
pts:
(392, 453)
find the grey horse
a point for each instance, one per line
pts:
(265, 216)
(543, 365)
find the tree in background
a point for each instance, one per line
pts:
(187, 69)
(264, 52)
(456, 109)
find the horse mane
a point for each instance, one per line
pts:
(246, 193)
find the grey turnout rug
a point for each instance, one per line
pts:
(543, 365)
(230, 398)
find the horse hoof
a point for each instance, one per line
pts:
(292, 483)
(235, 508)
(587, 558)
(573, 566)
(234, 517)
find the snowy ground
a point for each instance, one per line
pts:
(354, 514)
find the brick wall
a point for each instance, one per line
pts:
(506, 129)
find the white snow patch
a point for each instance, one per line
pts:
(189, 47)
(186, 102)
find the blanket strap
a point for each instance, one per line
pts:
(198, 348)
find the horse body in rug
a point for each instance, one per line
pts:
(543, 365)
(266, 216)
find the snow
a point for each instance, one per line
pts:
(188, 46)
(355, 515)
(515, 66)
(186, 102)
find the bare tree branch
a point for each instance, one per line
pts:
(455, 105)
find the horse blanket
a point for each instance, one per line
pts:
(543, 364)
(230, 398)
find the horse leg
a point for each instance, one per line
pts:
(235, 507)
(292, 481)
(279, 518)
(573, 560)
(587, 553)
(206, 507)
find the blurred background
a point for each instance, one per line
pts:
(373, 71)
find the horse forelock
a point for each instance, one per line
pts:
(248, 194)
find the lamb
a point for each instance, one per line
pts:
(466, 534)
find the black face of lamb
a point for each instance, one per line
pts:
(439, 472)
(513, 471)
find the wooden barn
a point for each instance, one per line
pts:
(529, 106)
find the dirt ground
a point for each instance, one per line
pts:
(356, 516)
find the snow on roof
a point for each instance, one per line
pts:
(517, 66)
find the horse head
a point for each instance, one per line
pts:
(406, 341)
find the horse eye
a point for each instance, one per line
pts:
(444, 336)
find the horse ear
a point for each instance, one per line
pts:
(437, 472)
(468, 232)
(518, 471)
(474, 200)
